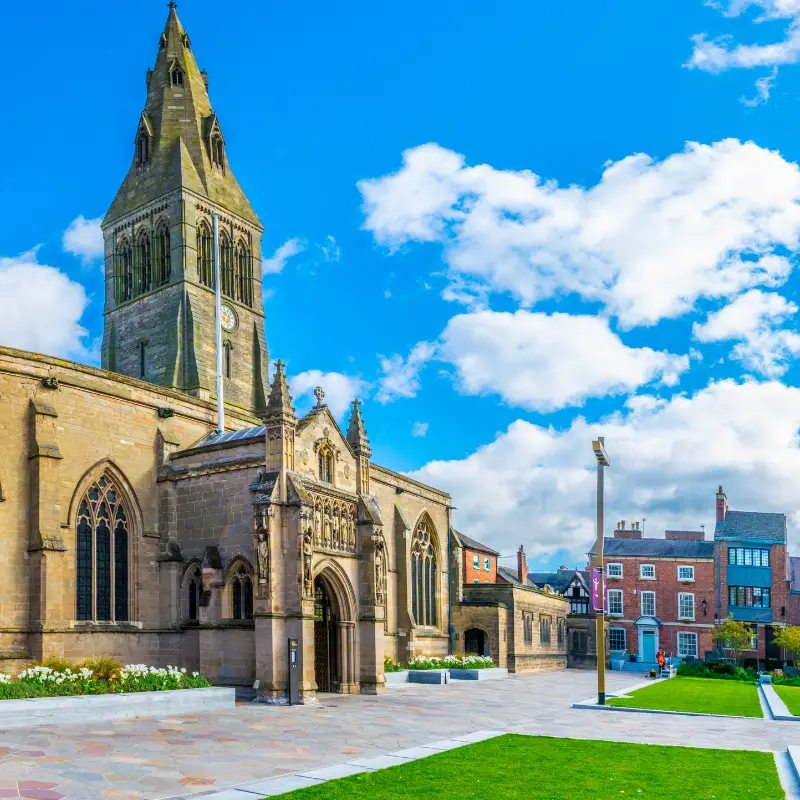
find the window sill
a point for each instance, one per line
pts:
(647, 578)
(686, 580)
(614, 577)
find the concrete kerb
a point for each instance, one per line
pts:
(777, 708)
(271, 787)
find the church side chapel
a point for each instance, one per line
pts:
(132, 528)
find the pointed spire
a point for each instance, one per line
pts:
(356, 433)
(180, 117)
(279, 404)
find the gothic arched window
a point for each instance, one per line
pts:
(241, 589)
(218, 151)
(123, 272)
(176, 76)
(163, 255)
(142, 149)
(102, 554)
(226, 264)
(227, 349)
(142, 264)
(325, 463)
(193, 589)
(205, 256)
(423, 575)
(243, 274)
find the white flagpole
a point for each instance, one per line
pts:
(218, 298)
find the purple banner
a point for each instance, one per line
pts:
(596, 580)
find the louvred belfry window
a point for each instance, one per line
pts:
(423, 575)
(102, 554)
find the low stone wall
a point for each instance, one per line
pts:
(536, 662)
(478, 674)
(99, 707)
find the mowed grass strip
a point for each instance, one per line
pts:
(701, 695)
(791, 696)
(539, 767)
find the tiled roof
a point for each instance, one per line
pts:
(510, 575)
(752, 525)
(473, 544)
(657, 548)
(559, 579)
(232, 436)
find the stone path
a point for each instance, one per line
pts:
(155, 759)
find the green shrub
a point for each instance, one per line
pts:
(451, 662)
(718, 671)
(389, 665)
(104, 669)
(111, 677)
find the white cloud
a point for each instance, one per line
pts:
(84, 238)
(722, 52)
(401, 375)
(339, 389)
(41, 308)
(330, 250)
(667, 459)
(291, 247)
(420, 429)
(763, 88)
(547, 361)
(753, 320)
(647, 240)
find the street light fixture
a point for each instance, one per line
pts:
(600, 631)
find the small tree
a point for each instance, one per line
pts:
(789, 639)
(733, 636)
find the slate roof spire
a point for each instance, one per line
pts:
(356, 433)
(180, 123)
(279, 405)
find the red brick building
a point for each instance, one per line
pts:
(479, 561)
(660, 593)
(753, 576)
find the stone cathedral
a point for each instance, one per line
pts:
(132, 529)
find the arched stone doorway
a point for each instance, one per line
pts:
(334, 633)
(326, 645)
(476, 642)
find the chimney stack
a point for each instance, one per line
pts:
(722, 505)
(522, 566)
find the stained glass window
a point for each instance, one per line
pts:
(194, 594)
(424, 575)
(102, 562)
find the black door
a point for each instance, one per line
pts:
(773, 652)
(475, 642)
(324, 640)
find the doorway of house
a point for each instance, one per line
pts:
(475, 643)
(648, 646)
(325, 640)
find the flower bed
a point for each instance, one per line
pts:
(451, 662)
(59, 679)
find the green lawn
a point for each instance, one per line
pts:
(703, 695)
(791, 696)
(538, 767)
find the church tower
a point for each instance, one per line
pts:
(159, 301)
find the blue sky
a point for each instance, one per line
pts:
(529, 341)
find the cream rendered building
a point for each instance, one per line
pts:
(132, 529)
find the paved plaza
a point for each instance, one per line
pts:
(191, 755)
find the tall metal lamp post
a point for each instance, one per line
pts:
(602, 462)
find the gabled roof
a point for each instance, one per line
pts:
(752, 525)
(510, 576)
(312, 415)
(473, 544)
(656, 548)
(559, 579)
